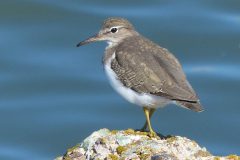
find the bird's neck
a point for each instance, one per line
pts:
(111, 44)
(109, 51)
(116, 41)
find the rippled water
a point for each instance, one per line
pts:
(53, 94)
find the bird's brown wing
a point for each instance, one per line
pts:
(147, 68)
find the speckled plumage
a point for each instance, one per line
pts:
(141, 71)
(146, 67)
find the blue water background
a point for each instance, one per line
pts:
(53, 95)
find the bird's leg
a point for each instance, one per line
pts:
(152, 110)
(151, 132)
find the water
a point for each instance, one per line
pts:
(53, 95)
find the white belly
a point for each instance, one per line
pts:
(141, 99)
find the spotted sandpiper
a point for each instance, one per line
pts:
(141, 71)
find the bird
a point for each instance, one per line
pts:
(141, 71)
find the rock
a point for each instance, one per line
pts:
(135, 145)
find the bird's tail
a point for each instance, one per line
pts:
(195, 106)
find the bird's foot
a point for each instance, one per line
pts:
(153, 134)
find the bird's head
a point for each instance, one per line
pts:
(113, 30)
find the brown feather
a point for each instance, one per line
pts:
(147, 68)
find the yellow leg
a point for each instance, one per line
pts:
(151, 132)
(152, 110)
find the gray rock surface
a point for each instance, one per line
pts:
(135, 145)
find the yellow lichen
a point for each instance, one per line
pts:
(129, 131)
(103, 140)
(144, 156)
(194, 143)
(113, 157)
(144, 152)
(171, 139)
(121, 149)
(216, 158)
(114, 131)
(201, 153)
(73, 148)
(233, 157)
(133, 132)
(141, 133)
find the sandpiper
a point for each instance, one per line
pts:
(141, 71)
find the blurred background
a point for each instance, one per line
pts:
(53, 95)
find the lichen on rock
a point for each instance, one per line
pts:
(135, 145)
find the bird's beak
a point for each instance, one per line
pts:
(89, 40)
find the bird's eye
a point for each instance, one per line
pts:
(114, 30)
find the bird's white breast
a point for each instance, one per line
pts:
(141, 99)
